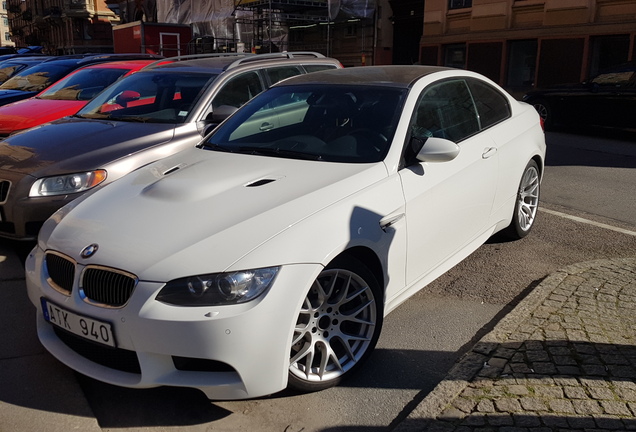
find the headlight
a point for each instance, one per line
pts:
(218, 288)
(66, 184)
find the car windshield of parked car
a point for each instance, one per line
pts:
(621, 79)
(334, 123)
(36, 78)
(83, 85)
(7, 71)
(149, 97)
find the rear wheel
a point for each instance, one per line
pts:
(526, 204)
(338, 326)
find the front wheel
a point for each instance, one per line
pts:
(527, 203)
(338, 326)
(545, 112)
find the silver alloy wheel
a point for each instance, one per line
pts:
(335, 327)
(528, 198)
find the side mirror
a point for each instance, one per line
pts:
(437, 150)
(126, 96)
(220, 113)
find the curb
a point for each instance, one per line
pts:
(471, 363)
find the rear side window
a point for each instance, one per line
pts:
(318, 67)
(280, 73)
(492, 106)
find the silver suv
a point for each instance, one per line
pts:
(160, 110)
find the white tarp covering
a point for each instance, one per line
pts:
(227, 22)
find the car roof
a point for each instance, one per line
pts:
(84, 59)
(119, 64)
(204, 63)
(391, 76)
(25, 60)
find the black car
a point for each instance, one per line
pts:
(30, 81)
(12, 64)
(607, 101)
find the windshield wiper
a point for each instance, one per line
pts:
(278, 152)
(92, 116)
(215, 147)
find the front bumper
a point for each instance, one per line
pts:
(228, 352)
(21, 216)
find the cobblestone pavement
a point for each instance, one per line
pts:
(563, 360)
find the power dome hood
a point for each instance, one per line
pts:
(200, 211)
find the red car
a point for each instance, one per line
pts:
(65, 97)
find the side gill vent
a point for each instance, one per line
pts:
(260, 182)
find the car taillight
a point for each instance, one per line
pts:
(542, 122)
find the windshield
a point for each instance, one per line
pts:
(36, 78)
(7, 72)
(318, 122)
(623, 79)
(83, 84)
(149, 97)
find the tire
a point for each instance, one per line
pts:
(527, 203)
(337, 327)
(545, 112)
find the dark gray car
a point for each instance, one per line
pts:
(153, 113)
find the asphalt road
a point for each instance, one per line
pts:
(420, 341)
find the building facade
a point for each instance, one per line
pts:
(62, 26)
(5, 33)
(524, 44)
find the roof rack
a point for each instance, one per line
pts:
(267, 56)
(244, 57)
(196, 56)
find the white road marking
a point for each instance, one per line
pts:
(589, 222)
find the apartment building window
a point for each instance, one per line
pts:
(4, 5)
(459, 4)
(455, 56)
(7, 36)
(5, 20)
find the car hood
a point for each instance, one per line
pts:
(70, 145)
(209, 210)
(32, 112)
(8, 96)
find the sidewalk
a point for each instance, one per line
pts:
(563, 359)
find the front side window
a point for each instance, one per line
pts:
(445, 110)
(152, 97)
(238, 90)
(332, 123)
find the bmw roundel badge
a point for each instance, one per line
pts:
(89, 250)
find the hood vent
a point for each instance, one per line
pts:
(261, 182)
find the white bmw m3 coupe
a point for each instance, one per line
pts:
(267, 256)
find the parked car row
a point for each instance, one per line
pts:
(159, 110)
(241, 224)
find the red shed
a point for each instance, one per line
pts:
(168, 40)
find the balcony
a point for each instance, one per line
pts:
(78, 9)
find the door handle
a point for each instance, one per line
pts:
(266, 126)
(490, 151)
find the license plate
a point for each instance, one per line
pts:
(80, 325)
